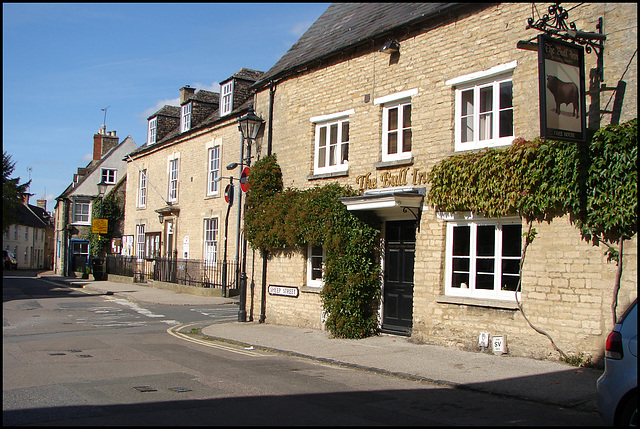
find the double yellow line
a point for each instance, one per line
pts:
(174, 330)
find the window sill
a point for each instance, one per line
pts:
(328, 175)
(311, 289)
(396, 163)
(477, 302)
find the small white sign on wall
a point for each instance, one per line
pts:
(483, 339)
(185, 247)
(499, 344)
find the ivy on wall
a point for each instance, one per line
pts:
(112, 211)
(595, 184)
(278, 219)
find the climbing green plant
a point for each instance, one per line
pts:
(596, 184)
(278, 218)
(112, 210)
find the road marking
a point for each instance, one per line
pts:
(174, 331)
(134, 307)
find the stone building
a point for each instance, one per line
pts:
(30, 237)
(372, 96)
(176, 203)
(72, 213)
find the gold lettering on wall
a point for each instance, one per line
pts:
(389, 179)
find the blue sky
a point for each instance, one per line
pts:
(64, 63)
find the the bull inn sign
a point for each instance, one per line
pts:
(562, 89)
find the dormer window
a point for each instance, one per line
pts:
(226, 91)
(185, 118)
(151, 132)
(109, 175)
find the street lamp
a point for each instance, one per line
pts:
(102, 190)
(97, 262)
(249, 126)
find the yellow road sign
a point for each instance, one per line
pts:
(99, 226)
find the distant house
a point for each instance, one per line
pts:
(176, 205)
(30, 238)
(73, 207)
(372, 96)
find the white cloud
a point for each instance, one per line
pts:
(159, 105)
(87, 157)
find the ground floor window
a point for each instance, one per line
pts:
(315, 266)
(211, 241)
(483, 258)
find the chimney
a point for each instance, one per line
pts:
(103, 142)
(186, 93)
(25, 198)
(42, 204)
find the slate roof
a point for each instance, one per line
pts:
(32, 216)
(345, 25)
(206, 96)
(173, 111)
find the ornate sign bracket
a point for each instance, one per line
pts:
(556, 24)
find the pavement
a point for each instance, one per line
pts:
(548, 382)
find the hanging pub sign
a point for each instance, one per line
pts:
(562, 90)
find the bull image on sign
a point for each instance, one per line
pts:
(562, 89)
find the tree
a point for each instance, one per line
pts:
(11, 192)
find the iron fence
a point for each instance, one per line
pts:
(191, 272)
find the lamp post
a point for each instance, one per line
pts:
(97, 262)
(102, 190)
(249, 126)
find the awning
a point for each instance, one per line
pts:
(389, 203)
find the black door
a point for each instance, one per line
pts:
(397, 310)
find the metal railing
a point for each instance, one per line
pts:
(192, 272)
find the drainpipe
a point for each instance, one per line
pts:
(265, 254)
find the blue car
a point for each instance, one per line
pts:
(617, 388)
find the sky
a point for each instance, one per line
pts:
(65, 65)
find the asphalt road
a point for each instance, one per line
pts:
(71, 357)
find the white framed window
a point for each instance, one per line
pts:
(211, 241)
(81, 211)
(213, 166)
(142, 189)
(173, 180)
(151, 132)
(109, 175)
(484, 108)
(315, 266)
(226, 92)
(331, 153)
(185, 117)
(396, 131)
(140, 242)
(483, 258)
(396, 125)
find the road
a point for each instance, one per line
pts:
(72, 357)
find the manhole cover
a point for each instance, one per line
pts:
(179, 389)
(85, 356)
(57, 354)
(145, 389)
(74, 351)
